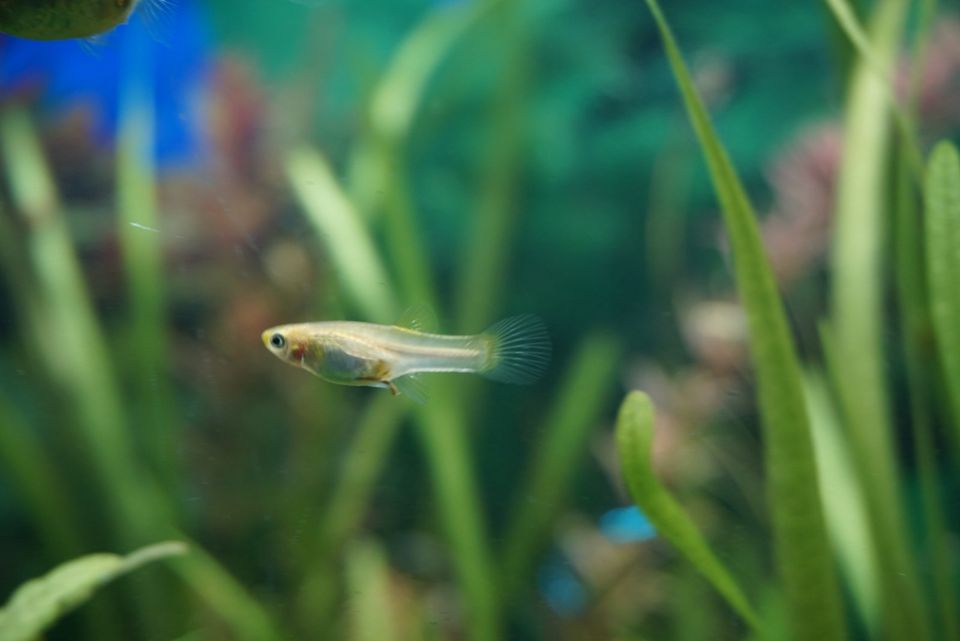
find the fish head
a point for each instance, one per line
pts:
(287, 342)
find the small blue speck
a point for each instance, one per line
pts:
(627, 525)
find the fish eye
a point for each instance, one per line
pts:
(278, 341)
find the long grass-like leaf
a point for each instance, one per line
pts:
(359, 470)
(857, 316)
(918, 350)
(223, 594)
(372, 616)
(634, 442)
(942, 195)
(442, 424)
(844, 15)
(579, 400)
(378, 167)
(802, 548)
(40, 485)
(141, 243)
(443, 429)
(330, 211)
(72, 343)
(36, 605)
(843, 504)
(485, 255)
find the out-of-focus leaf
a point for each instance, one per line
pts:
(634, 442)
(943, 263)
(39, 603)
(580, 399)
(843, 503)
(342, 234)
(802, 550)
(858, 334)
(372, 615)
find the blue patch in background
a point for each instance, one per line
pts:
(167, 55)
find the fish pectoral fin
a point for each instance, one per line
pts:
(411, 386)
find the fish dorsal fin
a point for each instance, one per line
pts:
(419, 318)
(413, 387)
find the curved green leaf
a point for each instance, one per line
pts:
(634, 443)
(40, 602)
(802, 549)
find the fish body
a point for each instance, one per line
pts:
(515, 350)
(62, 19)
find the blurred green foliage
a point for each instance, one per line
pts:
(484, 157)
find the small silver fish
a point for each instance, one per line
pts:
(514, 350)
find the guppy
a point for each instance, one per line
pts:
(514, 350)
(62, 19)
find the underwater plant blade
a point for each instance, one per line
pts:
(342, 233)
(847, 20)
(443, 429)
(372, 615)
(843, 503)
(858, 321)
(359, 470)
(30, 473)
(942, 193)
(486, 256)
(245, 617)
(141, 244)
(802, 547)
(579, 401)
(37, 604)
(634, 441)
(923, 382)
(73, 345)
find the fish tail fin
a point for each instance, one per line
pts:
(518, 350)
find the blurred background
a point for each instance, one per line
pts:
(212, 168)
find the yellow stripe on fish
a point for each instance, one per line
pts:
(515, 350)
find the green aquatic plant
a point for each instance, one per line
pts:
(802, 550)
(635, 443)
(37, 604)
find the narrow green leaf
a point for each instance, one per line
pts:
(634, 442)
(372, 615)
(497, 209)
(858, 321)
(343, 234)
(37, 604)
(141, 244)
(843, 504)
(398, 94)
(71, 343)
(919, 351)
(581, 396)
(802, 549)
(360, 468)
(942, 195)
(246, 618)
(844, 15)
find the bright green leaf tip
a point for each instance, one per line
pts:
(634, 443)
(37, 604)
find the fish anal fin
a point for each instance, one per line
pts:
(412, 386)
(419, 317)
